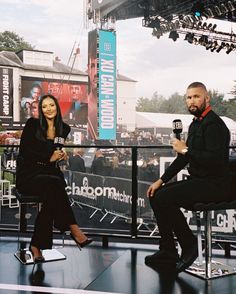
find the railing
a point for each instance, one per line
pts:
(122, 208)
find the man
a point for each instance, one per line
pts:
(26, 102)
(207, 153)
(76, 161)
(92, 98)
(55, 88)
(34, 111)
(75, 92)
(36, 92)
(75, 95)
(100, 166)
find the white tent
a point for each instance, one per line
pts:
(157, 121)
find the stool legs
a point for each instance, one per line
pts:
(199, 238)
(211, 269)
(208, 249)
(23, 254)
(22, 220)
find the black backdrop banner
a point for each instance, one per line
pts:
(6, 95)
(107, 193)
(113, 195)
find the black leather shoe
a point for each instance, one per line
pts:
(162, 258)
(187, 258)
(83, 244)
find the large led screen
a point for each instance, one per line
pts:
(72, 98)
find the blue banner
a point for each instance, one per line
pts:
(107, 85)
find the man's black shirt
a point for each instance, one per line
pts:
(208, 150)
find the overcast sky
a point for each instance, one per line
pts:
(157, 64)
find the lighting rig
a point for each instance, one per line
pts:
(194, 27)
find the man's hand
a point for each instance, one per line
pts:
(178, 145)
(154, 187)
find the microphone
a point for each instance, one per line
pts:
(59, 142)
(177, 128)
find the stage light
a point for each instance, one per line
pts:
(231, 6)
(214, 46)
(157, 33)
(223, 8)
(164, 29)
(231, 48)
(199, 25)
(203, 40)
(198, 9)
(214, 27)
(208, 13)
(209, 26)
(176, 25)
(189, 37)
(174, 35)
(222, 45)
(218, 11)
(204, 26)
(209, 45)
(171, 26)
(189, 20)
(195, 41)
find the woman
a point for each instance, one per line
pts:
(39, 174)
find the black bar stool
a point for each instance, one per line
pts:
(23, 254)
(210, 269)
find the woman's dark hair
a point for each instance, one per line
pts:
(58, 122)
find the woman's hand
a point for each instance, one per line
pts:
(64, 156)
(58, 155)
(154, 187)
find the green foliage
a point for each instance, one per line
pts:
(230, 106)
(233, 92)
(150, 105)
(217, 102)
(176, 104)
(10, 41)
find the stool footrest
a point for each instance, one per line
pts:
(25, 256)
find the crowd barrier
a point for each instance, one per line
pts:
(112, 196)
(108, 195)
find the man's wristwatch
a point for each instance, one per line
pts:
(185, 150)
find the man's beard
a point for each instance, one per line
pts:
(197, 111)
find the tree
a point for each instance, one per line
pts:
(233, 92)
(230, 106)
(217, 102)
(10, 41)
(175, 104)
(150, 105)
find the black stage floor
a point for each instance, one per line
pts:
(117, 269)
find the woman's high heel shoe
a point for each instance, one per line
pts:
(82, 244)
(36, 259)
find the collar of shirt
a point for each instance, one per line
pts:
(205, 112)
